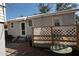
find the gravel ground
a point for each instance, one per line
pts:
(23, 49)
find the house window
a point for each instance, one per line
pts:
(30, 23)
(57, 23)
(12, 25)
(5, 26)
(23, 26)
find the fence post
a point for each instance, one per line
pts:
(32, 36)
(51, 35)
(77, 35)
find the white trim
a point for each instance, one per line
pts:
(18, 19)
(3, 15)
(21, 30)
(1, 20)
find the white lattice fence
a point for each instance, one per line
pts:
(65, 35)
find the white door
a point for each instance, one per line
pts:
(23, 28)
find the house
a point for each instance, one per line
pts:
(22, 26)
(2, 36)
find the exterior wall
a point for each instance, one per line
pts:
(68, 19)
(2, 40)
(43, 21)
(2, 37)
(64, 19)
(57, 17)
(16, 31)
(29, 29)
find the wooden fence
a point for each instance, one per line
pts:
(63, 35)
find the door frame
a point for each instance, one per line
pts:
(21, 29)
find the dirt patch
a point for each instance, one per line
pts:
(24, 49)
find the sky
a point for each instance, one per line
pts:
(14, 10)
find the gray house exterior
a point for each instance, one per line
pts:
(22, 26)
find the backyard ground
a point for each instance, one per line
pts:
(24, 49)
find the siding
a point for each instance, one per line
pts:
(2, 40)
(15, 31)
(68, 19)
(2, 37)
(65, 19)
(43, 21)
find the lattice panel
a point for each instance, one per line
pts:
(42, 38)
(45, 31)
(63, 35)
(65, 38)
(65, 43)
(43, 42)
(42, 31)
(64, 30)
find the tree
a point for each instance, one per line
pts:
(65, 6)
(43, 8)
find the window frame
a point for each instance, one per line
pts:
(30, 23)
(56, 22)
(12, 25)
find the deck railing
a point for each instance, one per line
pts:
(63, 35)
